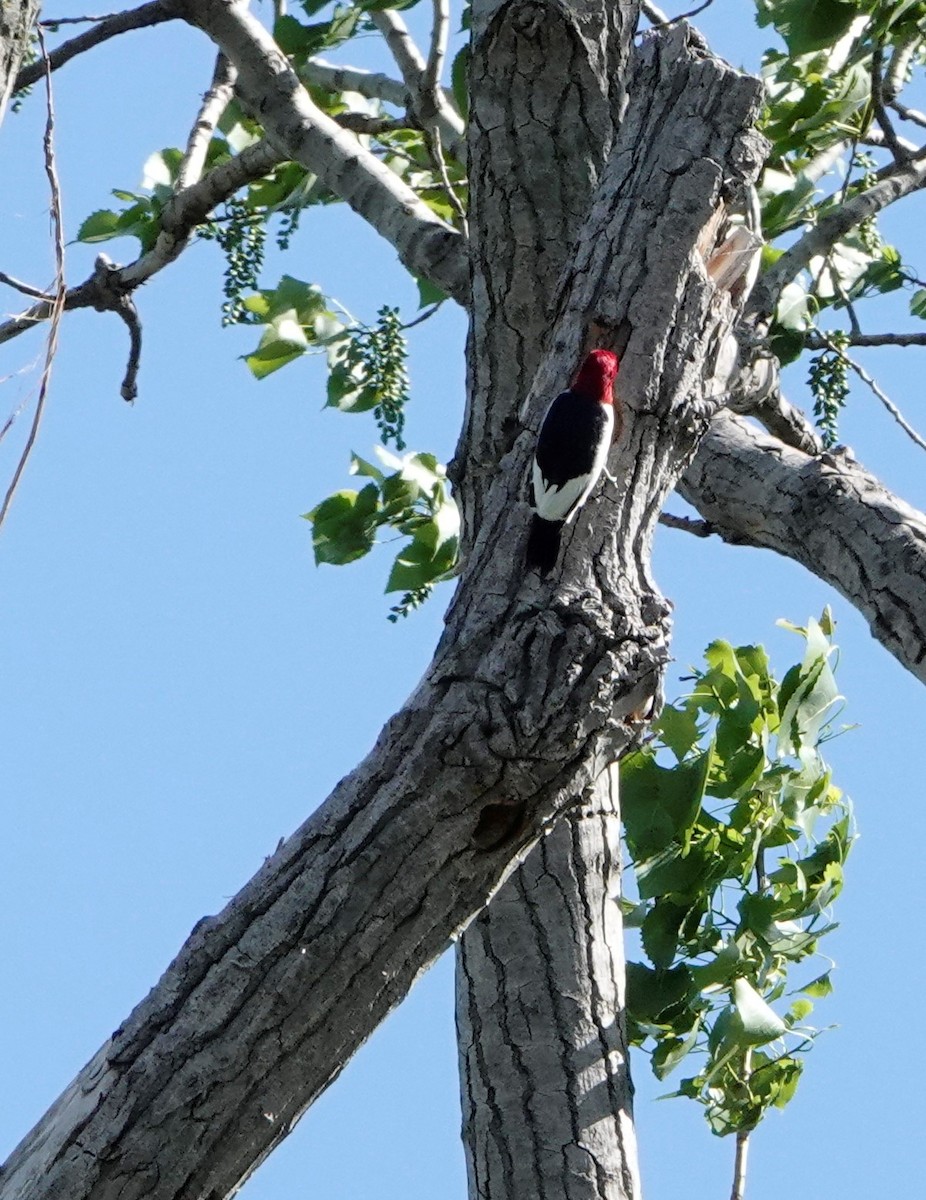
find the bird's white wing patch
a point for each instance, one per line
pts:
(562, 503)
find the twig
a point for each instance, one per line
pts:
(692, 525)
(129, 314)
(739, 1165)
(215, 101)
(364, 123)
(153, 13)
(425, 316)
(909, 114)
(26, 288)
(877, 391)
(108, 286)
(893, 182)
(685, 16)
(437, 156)
(815, 341)
(60, 289)
(881, 114)
(438, 50)
(54, 22)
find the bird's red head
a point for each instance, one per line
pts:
(596, 375)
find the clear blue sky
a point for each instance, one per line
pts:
(181, 686)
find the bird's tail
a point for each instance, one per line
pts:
(543, 544)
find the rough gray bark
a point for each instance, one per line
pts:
(16, 20)
(826, 512)
(535, 689)
(540, 996)
(532, 1126)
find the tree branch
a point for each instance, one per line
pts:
(108, 285)
(825, 512)
(372, 84)
(894, 182)
(136, 18)
(214, 103)
(426, 245)
(426, 98)
(818, 341)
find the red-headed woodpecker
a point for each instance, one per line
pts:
(572, 448)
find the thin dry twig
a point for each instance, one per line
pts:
(60, 286)
(26, 288)
(685, 16)
(870, 382)
(432, 138)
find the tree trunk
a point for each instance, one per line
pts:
(535, 689)
(544, 1075)
(16, 20)
(547, 1099)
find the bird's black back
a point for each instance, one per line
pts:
(569, 437)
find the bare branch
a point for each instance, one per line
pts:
(900, 153)
(408, 58)
(872, 384)
(909, 114)
(57, 304)
(438, 50)
(871, 547)
(818, 341)
(214, 104)
(108, 286)
(894, 182)
(692, 525)
(153, 13)
(427, 101)
(26, 288)
(899, 66)
(426, 245)
(371, 126)
(685, 16)
(653, 13)
(372, 84)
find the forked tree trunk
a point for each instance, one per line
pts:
(546, 1091)
(535, 690)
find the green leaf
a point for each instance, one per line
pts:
(660, 803)
(678, 729)
(819, 987)
(660, 930)
(100, 226)
(757, 1022)
(808, 25)
(652, 994)
(918, 304)
(428, 292)
(671, 1051)
(344, 525)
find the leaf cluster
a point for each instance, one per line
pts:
(821, 111)
(738, 838)
(412, 498)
